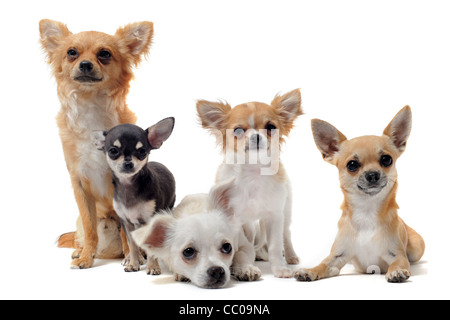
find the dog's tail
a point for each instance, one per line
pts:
(67, 240)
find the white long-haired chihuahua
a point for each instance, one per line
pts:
(261, 200)
(197, 241)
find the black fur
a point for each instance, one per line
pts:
(153, 182)
(137, 183)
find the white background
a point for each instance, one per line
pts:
(357, 63)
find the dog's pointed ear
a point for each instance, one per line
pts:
(135, 40)
(52, 32)
(160, 132)
(220, 195)
(98, 138)
(155, 234)
(288, 107)
(399, 128)
(213, 115)
(328, 139)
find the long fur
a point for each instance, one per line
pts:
(89, 106)
(261, 203)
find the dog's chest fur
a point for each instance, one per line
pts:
(256, 196)
(368, 246)
(135, 197)
(138, 214)
(83, 116)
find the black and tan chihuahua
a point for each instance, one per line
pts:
(141, 188)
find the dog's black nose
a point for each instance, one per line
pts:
(372, 176)
(217, 273)
(86, 67)
(128, 165)
(256, 139)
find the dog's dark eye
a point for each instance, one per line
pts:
(353, 166)
(189, 253)
(72, 54)
(386, 160)
(269, 127)
(141, 153)
(239, 132)
(104, 55)
(226, 248)
(113, 153)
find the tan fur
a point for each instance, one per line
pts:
(368, 222)
(220, 116)
(86, 107)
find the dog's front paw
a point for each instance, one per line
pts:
(82, 263)
(132, 265)
(181, 278)
(154, 271)
(153, 267)
(306, 275)
(282, 272)
(398, 275)
(246, 273)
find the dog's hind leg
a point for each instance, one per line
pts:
(416, 245)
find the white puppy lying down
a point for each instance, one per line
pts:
(196, 241)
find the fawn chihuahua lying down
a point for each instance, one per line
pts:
(371, 235)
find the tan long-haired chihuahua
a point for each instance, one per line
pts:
(93, 71)
(371, 234)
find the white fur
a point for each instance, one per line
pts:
(206, 232)
(262, 205)
(95, 113)
(261, 197)
(117, 144)
(94, 167)
(254, 195)
(84, 117)
(368, 246)
(141, 211)
(193, 224)
(251, 121)
(365, 210)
